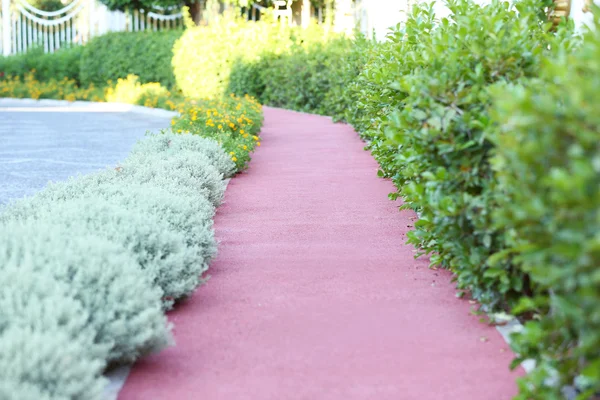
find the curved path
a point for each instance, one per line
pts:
(314, 295)
(42, 141)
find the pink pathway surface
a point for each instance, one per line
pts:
(314, 294)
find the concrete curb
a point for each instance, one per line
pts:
(11, 104)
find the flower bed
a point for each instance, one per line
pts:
(91, 264)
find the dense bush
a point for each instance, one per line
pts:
(31, 88)
(437, 115)
(47, 348)
(170, 142)
(64, 63)
(119, 54)
(99, 274)
(547, 160)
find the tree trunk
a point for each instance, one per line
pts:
(196, 7)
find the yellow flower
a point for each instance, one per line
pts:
(245, 147)
(255, 137)
(234, 159)
(242, 131)
(231, 125)
(220, 126)
(258, 143)
(231, 153)
(172, 122)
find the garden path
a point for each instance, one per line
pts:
(314, 294)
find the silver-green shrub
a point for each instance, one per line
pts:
(159, 247)
(47, 346)
(185, 167)
(169, 141)
(124, 308)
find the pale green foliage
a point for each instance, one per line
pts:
(91, 263)
(186, 168)
(159, 248)
(170, 141)
(124, 309)
(38, 317)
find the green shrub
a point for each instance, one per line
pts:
(301, 78)
(547, 160)
(124, 310)
(310, 75)
(437, 104)
(64, 63)
(116, 55)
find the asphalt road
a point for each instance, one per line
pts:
(39, 144)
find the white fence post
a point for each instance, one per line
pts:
(6, 32)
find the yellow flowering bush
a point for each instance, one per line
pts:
(234, 122)
(62, 89)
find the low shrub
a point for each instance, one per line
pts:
(547, 160)
(123, 309)
(63, 63)
(116, 55)
(184, 168)
(168, 141)
(47, 349)
(31, 88)
(130, 221)
(301, 78)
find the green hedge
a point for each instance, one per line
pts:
(309, 75)
(547, 161)
(63, 63)
(116, 55)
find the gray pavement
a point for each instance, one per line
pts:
(42, 143)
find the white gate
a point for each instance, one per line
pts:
(23, 26)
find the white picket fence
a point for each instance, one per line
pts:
(23, 26)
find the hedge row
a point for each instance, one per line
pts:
(486, 123)
(92, 263)
(105, 58)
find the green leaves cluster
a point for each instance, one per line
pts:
(116, 55)
(64, 63)
(547, 162)
(434, 132)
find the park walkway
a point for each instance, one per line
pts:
(315, 296)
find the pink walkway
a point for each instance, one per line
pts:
(314, 295)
